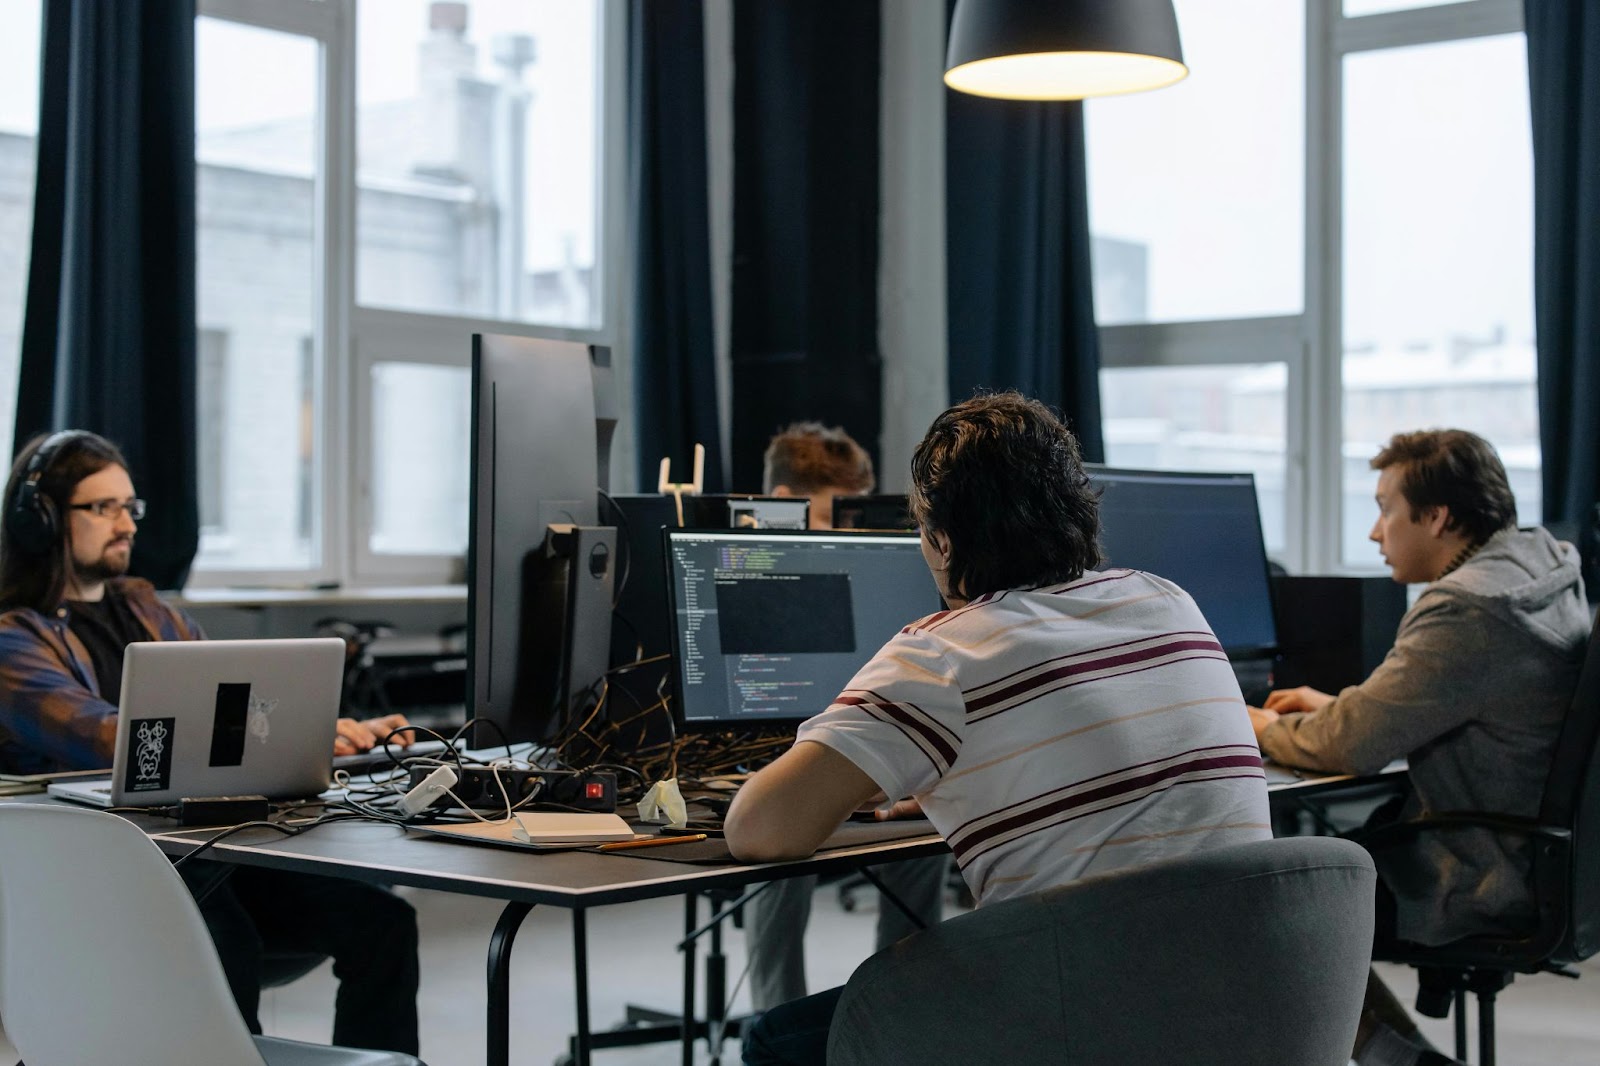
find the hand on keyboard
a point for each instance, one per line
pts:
(354, 737)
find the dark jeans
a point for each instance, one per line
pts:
(370, 933)
(793, 1033)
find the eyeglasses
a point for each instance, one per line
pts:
(111, 508)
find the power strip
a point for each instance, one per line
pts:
(479, 788)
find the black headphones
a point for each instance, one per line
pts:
(31, 519)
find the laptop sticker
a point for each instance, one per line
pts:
(149, 755)
(228, 724)
(261, 717)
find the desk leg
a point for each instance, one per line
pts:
(691, 917)
(505, 931)
(716, 991)
(580, 964)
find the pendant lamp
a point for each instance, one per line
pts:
(1062, 49)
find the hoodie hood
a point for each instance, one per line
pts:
(1529, 578)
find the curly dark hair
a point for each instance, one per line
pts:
(1001, 476)
(1455, 469)
(809, 457)
(40, 581)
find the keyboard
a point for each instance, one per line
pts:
(377, 758)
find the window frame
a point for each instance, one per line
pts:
(351, 337)
(1310, 344)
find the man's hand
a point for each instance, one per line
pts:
(1304, 699)
(354, 737)
(906, 808)
(1260, 719)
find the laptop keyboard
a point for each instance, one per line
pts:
(379, 759)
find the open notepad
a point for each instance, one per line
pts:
(539, 828)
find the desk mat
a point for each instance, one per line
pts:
(850, 835)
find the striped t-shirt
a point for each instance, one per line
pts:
(1055, 733)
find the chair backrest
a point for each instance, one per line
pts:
(1572, 800)
(103, 954)
(1197, 960)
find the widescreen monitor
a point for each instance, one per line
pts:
(768, 626)
(1201, 531)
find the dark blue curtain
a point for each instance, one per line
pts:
(1021, 303)
(805, 231)
(1564, 92)
(108, 338)
(674, 358)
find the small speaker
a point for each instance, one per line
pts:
(1334, 631)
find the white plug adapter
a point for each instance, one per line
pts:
(427, 790)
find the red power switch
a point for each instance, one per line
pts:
(594, 790)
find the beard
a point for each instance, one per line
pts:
(108, 566)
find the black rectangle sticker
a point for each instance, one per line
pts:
(228, 724)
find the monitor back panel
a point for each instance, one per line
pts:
(768, 627)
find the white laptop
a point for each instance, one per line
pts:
(220, 718)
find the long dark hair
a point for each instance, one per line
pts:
(39, 580)
(1002, 477)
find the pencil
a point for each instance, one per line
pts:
(653, 842)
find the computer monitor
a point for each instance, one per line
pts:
(746, 511)
(1202, 531)
(873, 512)
(641, 623)
(539, 573)
(769, 626)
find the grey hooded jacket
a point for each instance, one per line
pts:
(1473, 694)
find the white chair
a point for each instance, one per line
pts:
(104, 957)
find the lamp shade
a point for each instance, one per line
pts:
(1062, 49)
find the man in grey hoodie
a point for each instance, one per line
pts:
(1473, 692)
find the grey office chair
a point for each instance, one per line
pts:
(1256, 953)
(104, 957)
(1566, 880)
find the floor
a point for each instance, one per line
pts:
(1543, 1021)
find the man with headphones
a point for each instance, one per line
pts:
(67, 611)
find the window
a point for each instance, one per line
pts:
(1196, 198)
(1196, 192)
(1438, 260)
(1327, 240)
(420, 447)
(19, 128)
(258, 253)
(477, 159)
(419, 172)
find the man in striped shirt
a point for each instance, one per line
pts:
(1055, 722)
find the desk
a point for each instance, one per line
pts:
(1292, 791)
(575, 880)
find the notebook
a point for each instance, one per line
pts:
(220, 718)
